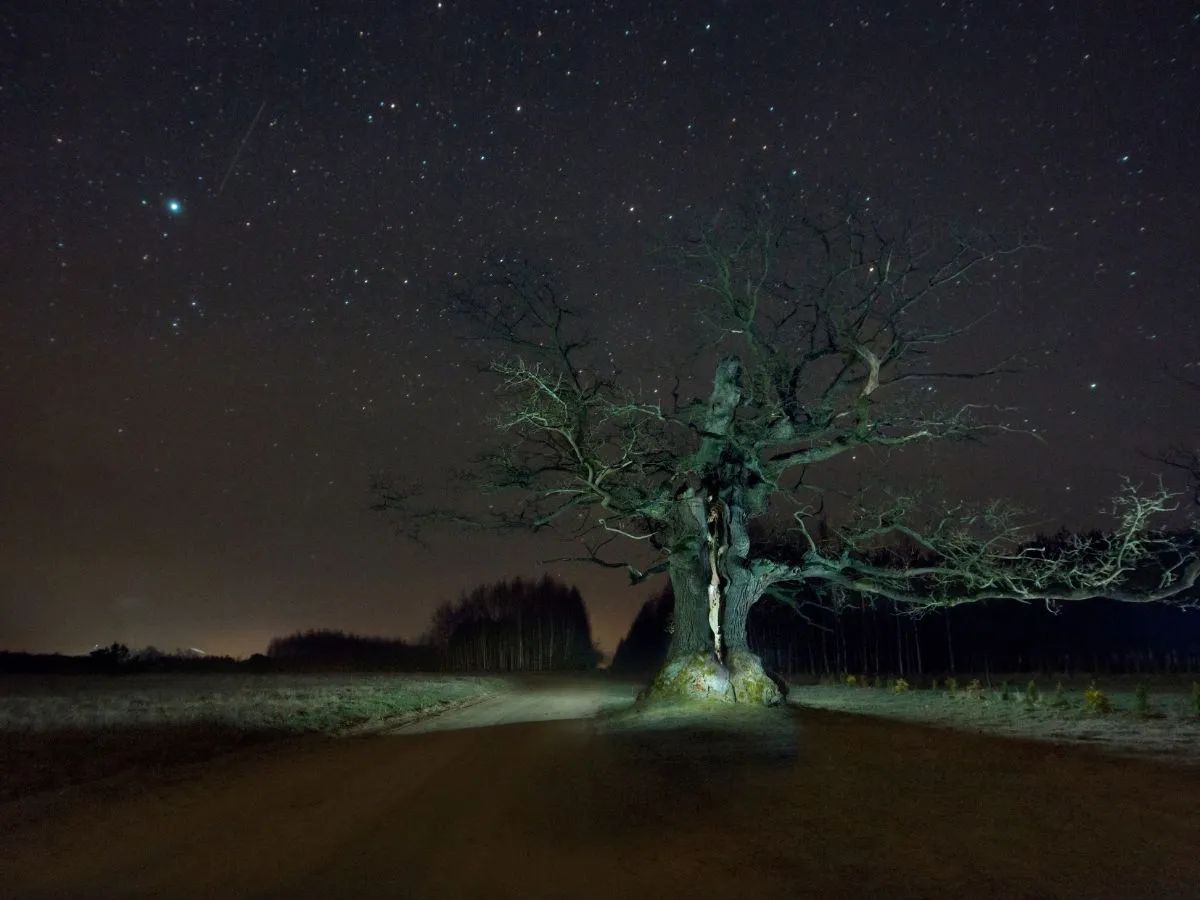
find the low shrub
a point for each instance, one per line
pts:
(1096, 701)
(975, 689)
(1141, 702)
(952, 685)
(1032, 695)
(851, 681)
(900, 686)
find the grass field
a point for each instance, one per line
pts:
(1167, 726)
(56, 731)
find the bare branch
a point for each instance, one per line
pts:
(967, 556)
(818, 319)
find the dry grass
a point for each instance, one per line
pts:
(1171, 729)
(62, 730)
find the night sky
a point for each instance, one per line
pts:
(226, 226)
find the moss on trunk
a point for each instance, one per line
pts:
(698, 676)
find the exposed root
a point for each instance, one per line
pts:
(699, 676)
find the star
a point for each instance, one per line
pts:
(174, 207)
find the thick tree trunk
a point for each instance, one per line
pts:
(694, 669)
(712, 580)
(689, 627)
(741, 593)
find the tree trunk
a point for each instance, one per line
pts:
(714, 584)
(692, 670)
(689, 628)
(697, 668)
(862, 630)
(917, 645)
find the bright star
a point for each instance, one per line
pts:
(174, 207)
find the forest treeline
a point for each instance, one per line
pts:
(871, 635)
(118, 658)
(327, 648)
(516, 625)
(523, 625)
(1095, 636)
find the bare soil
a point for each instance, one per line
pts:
(795, 802)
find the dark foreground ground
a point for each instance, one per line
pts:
(806, 803)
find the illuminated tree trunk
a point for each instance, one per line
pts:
(703, 662)
(712, 575)
(690, 632)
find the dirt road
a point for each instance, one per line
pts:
(830, 805)
(537, 700)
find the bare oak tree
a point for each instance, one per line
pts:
(818, 322)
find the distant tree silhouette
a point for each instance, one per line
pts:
(112, 656)
(327, 648)
(515, 626)
(644, 648)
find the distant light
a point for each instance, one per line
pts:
(1093, 386)
(174, 207)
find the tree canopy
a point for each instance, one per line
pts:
(820, 319)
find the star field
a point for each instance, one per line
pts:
(226, 229)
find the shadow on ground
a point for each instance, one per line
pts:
(712, 736)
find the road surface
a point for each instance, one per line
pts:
(536, 700)
(844, 806)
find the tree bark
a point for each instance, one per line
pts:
(741, 593)
(714, 584)
(695, 668)
(689, 631)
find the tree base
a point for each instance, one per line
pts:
(698, 676)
